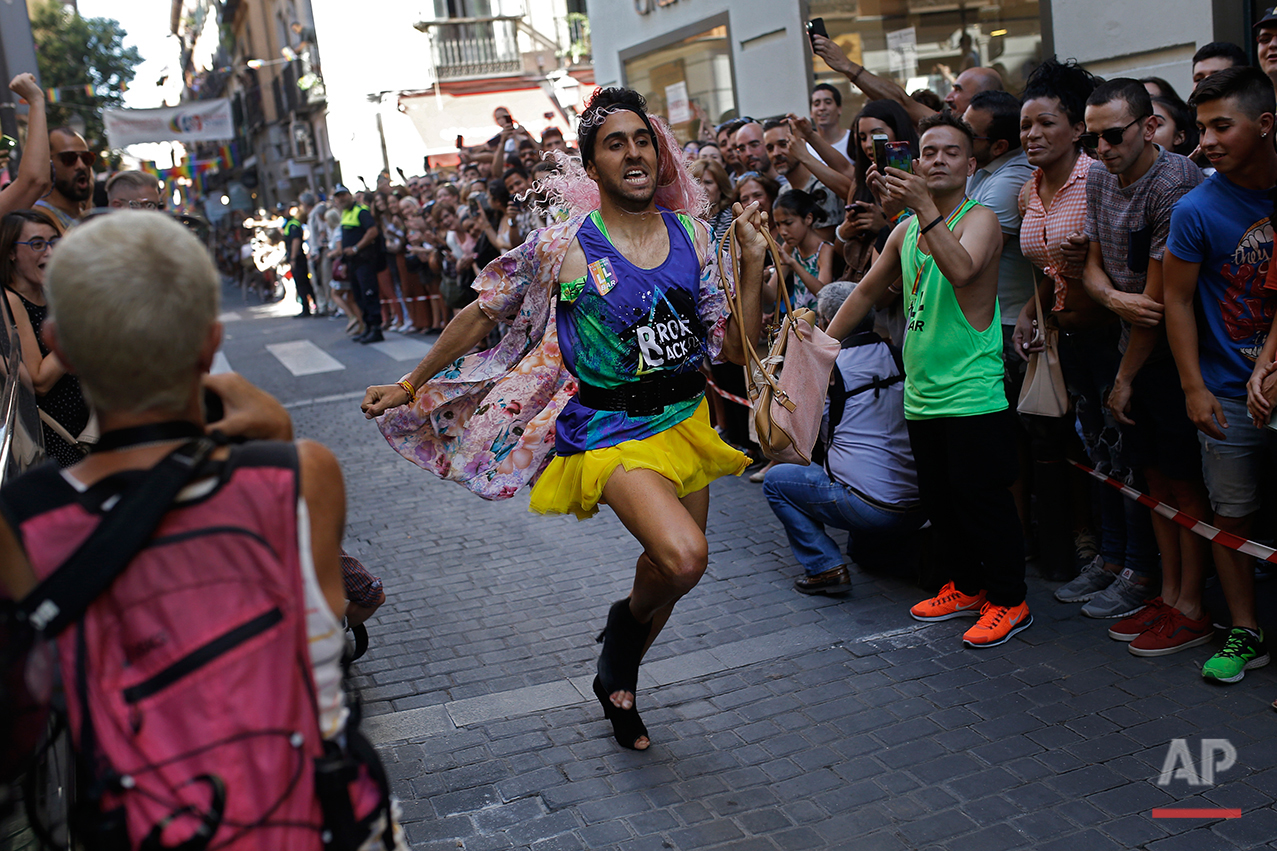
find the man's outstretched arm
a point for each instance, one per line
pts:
(877, 88)
(462, 334)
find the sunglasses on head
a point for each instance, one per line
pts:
(68, 158)
(1113, 136)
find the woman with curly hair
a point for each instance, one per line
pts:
(1052, 120)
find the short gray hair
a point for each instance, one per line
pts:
(307, 199)
(131, 180)
(134, 298)
(830, 298)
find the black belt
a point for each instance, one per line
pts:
(645, 397)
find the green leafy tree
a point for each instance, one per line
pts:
(72, 52)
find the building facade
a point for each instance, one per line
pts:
(264, 57)
(751, 57)
(414, 75)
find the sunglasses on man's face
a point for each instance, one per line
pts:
(1113, 136)
(68, 158)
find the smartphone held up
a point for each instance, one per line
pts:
(816, 26)
(898, 155)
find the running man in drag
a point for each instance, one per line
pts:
(594, 393)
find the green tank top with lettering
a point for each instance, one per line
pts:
(951, 369)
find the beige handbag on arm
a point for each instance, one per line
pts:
(788, 387)
(1044, 393)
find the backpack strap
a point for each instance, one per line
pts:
(839, 394)
(66, 594)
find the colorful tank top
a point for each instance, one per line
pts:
(951, 369)
(621, 323)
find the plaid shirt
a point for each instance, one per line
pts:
(1043, 231)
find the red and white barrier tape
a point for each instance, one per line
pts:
(739, 400)
(1207, 531)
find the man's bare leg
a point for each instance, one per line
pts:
(675, 552)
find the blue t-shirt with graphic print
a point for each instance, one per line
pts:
(1226, 228)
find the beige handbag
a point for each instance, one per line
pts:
(1044, 393)
(788, 387)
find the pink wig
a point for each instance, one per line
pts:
(676, 189)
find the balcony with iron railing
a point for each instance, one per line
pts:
(474, 47)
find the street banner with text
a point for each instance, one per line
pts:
(199, 121)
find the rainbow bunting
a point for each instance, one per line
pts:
(53, 96)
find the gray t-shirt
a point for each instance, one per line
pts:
(997, 186)
(869, 450)
(1131, 223)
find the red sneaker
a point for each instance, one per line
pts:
(1172, 633)
(1133, 626)
(997, 624)
(949, 603)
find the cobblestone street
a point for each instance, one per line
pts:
(779, 721)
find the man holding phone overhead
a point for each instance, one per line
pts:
(960, 427)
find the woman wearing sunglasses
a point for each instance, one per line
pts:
(27, 238)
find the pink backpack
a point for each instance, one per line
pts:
(190, 693)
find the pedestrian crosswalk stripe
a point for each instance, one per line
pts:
(220, 364)
(402, 350)
(229, 316)
(302, 357)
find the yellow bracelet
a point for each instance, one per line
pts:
(407, 387)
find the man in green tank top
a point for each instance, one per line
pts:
(945, 262)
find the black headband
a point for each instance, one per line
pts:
(587, 139)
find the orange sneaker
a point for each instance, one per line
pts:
(997, 624)
(949, 603)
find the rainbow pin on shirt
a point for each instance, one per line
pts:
(604, 278)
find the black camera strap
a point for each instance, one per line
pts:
(66, 594)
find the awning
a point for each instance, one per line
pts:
(440, 119)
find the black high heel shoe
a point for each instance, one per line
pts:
(622, 639)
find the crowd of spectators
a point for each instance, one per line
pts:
(1135, 219)
(1115, 202)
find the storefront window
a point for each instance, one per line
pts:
(924, 44)
(688, 81)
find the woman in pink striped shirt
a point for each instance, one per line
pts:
(1053, 205)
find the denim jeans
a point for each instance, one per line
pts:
(806, 501)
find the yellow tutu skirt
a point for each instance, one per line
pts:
(691, 455)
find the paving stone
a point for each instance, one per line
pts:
(778, 721)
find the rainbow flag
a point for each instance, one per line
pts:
(54, 96)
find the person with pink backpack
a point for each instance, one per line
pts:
(192, 589)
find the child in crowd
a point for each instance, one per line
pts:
(810, 259)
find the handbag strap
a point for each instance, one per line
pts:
(729, 256)
(66, 594)
(59, 429)
(1037, 300)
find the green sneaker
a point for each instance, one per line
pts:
(1242, 650)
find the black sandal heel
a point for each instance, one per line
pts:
(627, 726)
(622, 639)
